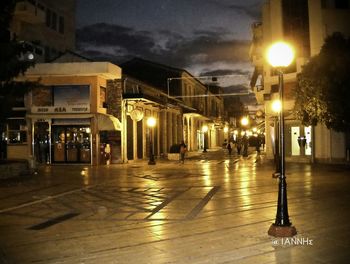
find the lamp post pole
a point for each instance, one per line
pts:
(276, 107)
(282, 226)
(205, 139)
(151, 121)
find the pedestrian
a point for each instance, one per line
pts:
(257, 145)
(229, 148)
(245, 141)
(239, 145)
(183, 150)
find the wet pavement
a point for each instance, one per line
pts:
(215, 208)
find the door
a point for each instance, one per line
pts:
(295, 134)
(42, 142)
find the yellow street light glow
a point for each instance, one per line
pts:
(244, 121)
(255, 129)
(225, 129)
(151, 122)
(235, 132)
(205, 128)
(280, 54)
(276, 106)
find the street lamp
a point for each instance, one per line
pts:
(276, 108)
(151, 122)
(281, 55)
(244, 121)
(205, 130)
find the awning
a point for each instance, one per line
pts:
(108, 123)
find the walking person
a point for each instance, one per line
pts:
(239, 145)
(245, 145)
(229, 147)
(183, 150)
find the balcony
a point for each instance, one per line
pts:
(29, 12)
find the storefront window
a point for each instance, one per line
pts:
(71, 144)
(17, 131)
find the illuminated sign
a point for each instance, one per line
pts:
(61, 109)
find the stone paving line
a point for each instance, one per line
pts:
(215, 208)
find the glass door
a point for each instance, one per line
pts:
(71, 144)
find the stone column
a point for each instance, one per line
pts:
(170, 129)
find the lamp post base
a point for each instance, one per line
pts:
(282, 231)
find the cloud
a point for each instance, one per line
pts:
(101, 37)
(204, 53)
(253, 11)
(224, 72)
(250, 8)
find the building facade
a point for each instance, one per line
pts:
(68, 115)
(182, 105)
(305, 24)
(46, 26)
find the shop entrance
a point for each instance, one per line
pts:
(42, 142)
(299, 141)
(71, 144)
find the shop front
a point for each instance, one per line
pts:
(62, 140)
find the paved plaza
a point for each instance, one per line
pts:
(215, 208)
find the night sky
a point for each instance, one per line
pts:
(205, 37)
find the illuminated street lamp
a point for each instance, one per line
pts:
(281, 55)
(244, 121)
(205, 131)
(151, 122)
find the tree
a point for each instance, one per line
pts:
(322, 93)
(13, 62)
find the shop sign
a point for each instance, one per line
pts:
(61, 109)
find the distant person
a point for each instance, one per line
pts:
(229, 147)
(239, 145)
(245, 142)
(183, 150)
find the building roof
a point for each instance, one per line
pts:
(104, 69)
(152, 73)
(70, 56)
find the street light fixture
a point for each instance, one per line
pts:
(281, 55)
(151, 122)
(205, 131)
(244, 121)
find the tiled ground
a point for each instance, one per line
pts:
(213, 209)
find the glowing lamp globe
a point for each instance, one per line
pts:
(276, 106)
(205, 129)
(244, 121)
(280, 54)
(151, 122)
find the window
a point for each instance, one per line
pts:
(48, 17)
(54, 21)
(42, 96)
(61, 25)
(17, 131)
(102, 97)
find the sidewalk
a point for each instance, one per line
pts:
(215, 208)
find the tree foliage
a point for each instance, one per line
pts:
(12, 61)
(322, 93)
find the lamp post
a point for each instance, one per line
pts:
(244, 123)
(281, 55)
(151, 122)
(205, 131)
(276, 108)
